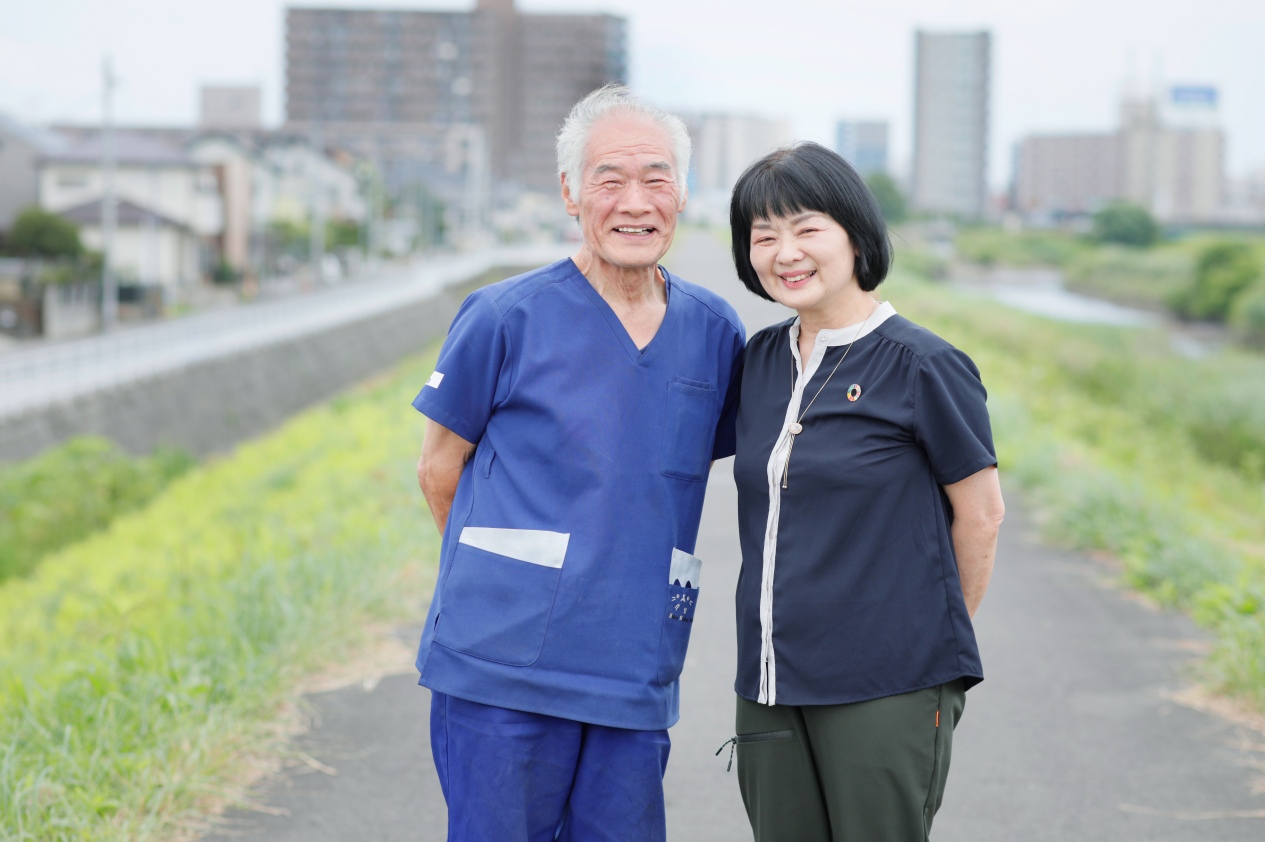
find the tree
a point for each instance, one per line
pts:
(37, 233)
(889, 196)
(1223, 272)
(1130, 225)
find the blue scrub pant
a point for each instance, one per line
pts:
(511, 776)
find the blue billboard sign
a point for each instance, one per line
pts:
(1193, 96)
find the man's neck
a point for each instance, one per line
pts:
(637, 296)
(625, 289)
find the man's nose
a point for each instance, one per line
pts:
(635, 198)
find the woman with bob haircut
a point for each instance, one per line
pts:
(868, 507)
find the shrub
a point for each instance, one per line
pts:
(1130, 225)
(1247, 316)
(1223, 271)
(38, 233)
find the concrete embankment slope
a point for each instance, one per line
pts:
(207, 382)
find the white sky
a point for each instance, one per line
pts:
(1058, 65)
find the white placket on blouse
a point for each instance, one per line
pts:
(777, 469)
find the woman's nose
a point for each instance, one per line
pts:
(788, 251)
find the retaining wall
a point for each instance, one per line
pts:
(210, 406)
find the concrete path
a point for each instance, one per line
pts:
(1071, 737)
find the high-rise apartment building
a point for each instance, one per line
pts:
(951, 114)
(1057, 175)
(432, 88)
(863, 144)
(1166, 156)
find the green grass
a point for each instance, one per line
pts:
(1128, 448)
(995, 246)
(137, 666)
(71, 491)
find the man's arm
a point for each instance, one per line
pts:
(977, 514)
(444, 455)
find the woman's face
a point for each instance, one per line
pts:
(804, 261)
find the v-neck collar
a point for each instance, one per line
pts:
(639, 356)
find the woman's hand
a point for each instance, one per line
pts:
(977, 514)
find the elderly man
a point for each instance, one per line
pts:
(572, 418)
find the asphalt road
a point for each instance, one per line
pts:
(1072, 736)
(50, 372)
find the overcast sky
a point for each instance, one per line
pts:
(1058, 65)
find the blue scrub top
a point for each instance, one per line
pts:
(849, 588)
(567, 580)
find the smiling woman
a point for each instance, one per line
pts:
(863, 561)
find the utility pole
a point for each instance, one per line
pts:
(316, 231)
(109, 209)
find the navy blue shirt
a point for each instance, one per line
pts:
(567, 580)
(849, 587)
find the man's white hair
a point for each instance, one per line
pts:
(612, 99)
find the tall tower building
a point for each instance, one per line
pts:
(951, 105)
(426, 87)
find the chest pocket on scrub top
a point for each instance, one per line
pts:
(689, 429)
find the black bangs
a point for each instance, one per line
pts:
(809, 177)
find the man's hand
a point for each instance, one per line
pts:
(444, 455)
(977, 514)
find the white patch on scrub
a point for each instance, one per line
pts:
(534, 546)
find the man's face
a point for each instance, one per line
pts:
(629, 193)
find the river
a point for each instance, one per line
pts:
(1041, 291)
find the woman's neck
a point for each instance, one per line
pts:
(853, 311)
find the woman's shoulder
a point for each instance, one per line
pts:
(913, 337)
(770, 335)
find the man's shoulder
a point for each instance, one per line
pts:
(710, 303)
(509, 293)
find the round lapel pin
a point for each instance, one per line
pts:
(854, 391)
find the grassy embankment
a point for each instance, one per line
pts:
(72, 491)
(139, 665)
(1128, 448)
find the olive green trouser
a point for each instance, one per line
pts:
(865, 772)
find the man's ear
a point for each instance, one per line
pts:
(685, 195)
(572, 208)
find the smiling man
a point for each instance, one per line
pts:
(572, 418)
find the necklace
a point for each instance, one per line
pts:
(796, 426)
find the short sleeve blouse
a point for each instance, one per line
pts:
(849, 587)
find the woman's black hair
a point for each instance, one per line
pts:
(809, 177)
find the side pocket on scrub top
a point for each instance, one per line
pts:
(499, 594)
(689, 430)
(682, 599)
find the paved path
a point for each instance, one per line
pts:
(1071, 736)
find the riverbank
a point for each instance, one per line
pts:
(1130, 448)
